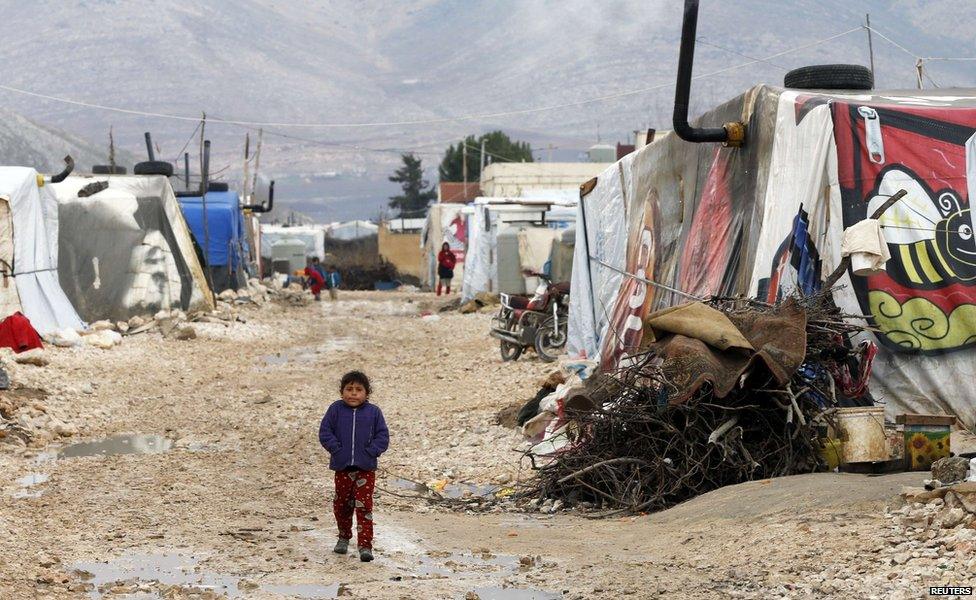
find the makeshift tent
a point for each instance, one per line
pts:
(493, 268)
(29, 253)
(312, 236)
(445, 223)
(768, 218)
(351, 230)
(126, 250)
(225, 236)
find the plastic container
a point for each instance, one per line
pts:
(863, 432)
(510, 278)
(926, 439)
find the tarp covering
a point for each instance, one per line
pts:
(32, 220)
(445, 223)
(127, 250)
(768, 218)
(313, 237)
(489, 217)
(225, 236)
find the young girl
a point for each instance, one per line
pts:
(446, 261)
(355, 434)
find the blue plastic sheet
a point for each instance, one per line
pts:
(225, 227)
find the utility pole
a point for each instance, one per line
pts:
(257, 159)
(203, 129)
(549, 153)
(867, 21)
(247, 179)
(918, 72)
(464, 165)
(205, 181)
(481, 170)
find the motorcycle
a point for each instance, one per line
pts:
(539, 321)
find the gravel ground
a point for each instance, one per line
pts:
(237, 505)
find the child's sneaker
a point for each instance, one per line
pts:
(341, 547)
(365, 554)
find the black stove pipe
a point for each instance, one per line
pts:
(686, 60)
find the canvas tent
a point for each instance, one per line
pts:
(351, 230)
(312, 236)
(445, 223)
(225, 236)
(691, 220)
(507, 236)
(126, 250)
(29, 253)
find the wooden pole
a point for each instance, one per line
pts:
(204, 183)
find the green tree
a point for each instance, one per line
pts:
(416, 195)
(498, 148)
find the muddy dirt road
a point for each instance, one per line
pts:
(227, 493)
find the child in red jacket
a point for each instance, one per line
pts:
(446, 261)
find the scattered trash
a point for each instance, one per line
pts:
(684, 417)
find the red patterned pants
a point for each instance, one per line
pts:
(354, 494)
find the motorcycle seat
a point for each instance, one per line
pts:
(518, 301)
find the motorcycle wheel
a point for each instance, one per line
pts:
(547, 345)
(510, 351)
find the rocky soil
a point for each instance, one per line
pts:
(230, 498)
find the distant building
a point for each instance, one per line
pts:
(457, 192)
(515, 179)
(602, 153)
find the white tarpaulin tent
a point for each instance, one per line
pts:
(767, 220)
(312, 236)
(30, 217)
(494, 215)
(126, 250)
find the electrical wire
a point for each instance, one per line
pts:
(473, 117)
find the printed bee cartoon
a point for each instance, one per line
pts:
(930, 235)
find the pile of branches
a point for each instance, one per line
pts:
(638, 452)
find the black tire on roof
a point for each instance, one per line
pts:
(830, 77)
(108, 170)
(218, 186)
(153, 167)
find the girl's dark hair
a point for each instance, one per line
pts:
(355, 377)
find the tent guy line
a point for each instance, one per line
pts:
(473, 117)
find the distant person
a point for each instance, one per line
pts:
(354, 432)
(332, 282)
(446, 260)
(318, 266)
(315, 279)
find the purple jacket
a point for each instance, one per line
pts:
(355, 437)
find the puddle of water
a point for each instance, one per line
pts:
(451, 490)
(497, 593)
(146, 574)
(308, 354)
(30, 480)
(304, 590)
(118, 444)
(167, 569)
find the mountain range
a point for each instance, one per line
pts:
(380, 77)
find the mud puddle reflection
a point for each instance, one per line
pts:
(497, 593)
(118, 444)
(178, 575)
(28, 481)
(307, 354)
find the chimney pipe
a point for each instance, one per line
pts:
(731, 134)
(149, 148)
